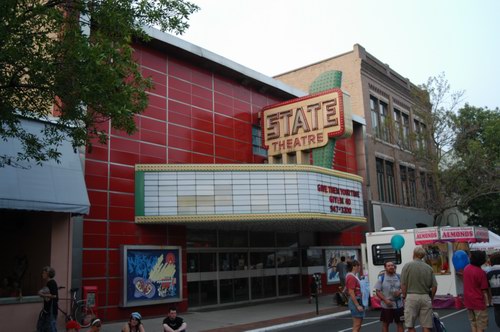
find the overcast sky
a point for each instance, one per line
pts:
(417, 39)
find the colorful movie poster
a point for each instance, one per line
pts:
(332, 257)
(152, 275)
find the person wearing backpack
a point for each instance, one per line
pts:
(388, 290)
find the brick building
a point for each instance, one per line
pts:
(397, 185)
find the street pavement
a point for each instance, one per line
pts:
(257, 318)
(453, 319)
(293, 314)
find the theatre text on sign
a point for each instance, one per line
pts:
(304, 124)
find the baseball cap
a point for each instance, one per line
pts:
(136, 315)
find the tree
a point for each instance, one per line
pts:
(474, 177)
(435, 103)
(75, 58)
(463, 158)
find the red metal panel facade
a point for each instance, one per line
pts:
(194, 116)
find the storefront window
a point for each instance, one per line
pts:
(202, 293)
(193, 262)
(261, 260)
(263, 287)
(23, 256)
(201, 238)
(201, 262)
(287, 258)
(233, 290)
(233, 261)
(288, 284)
(437, 257)
(233, 239)
(262, 239)
(287, 240)
(208, 262)
(313, 257)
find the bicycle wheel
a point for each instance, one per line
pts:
(83, 314)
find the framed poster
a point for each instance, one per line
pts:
(151, 275)
(332, 257)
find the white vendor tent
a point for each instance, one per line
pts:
(491, 246)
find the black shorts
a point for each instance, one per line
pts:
(392, 315)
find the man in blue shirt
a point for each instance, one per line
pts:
(388, 288)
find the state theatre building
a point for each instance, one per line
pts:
(236, 188)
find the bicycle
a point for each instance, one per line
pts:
(79, 310)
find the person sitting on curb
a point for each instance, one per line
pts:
(173, 323)
(95, 325)
(134, 323)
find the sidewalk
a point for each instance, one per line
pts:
(256, 318)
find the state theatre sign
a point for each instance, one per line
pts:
(305, 123)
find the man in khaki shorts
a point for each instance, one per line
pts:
(476, 292)
(419, 286)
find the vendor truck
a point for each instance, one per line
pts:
(440, 244)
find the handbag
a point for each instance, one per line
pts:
(43, 323)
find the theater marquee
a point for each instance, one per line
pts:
(305, 123)
(247, 193)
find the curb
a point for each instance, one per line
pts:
(300, 322)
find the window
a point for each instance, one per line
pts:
(383, 252)
(420, 135)
(313, 257)
(401, 128)
(23, 257)
(437, 257)
(287, 240)
(262, 239)
(201, 262)
(406, 131)
(233, 239)
(287, 258)
(257, 142)
(391, 183)
(233, 261)
(263, 287)
(412, 184)
(234, 290)
(262, 260)
(408, 186)
(379, 117)
(374, 113)
(426, 190)
(423, 189)
(384, 121)
(398, 128)
(430, 187)
(385, 181)
(203, 238)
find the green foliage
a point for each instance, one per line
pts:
(474, 177)
(435, 103)
(464, 160)
(76, 57)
